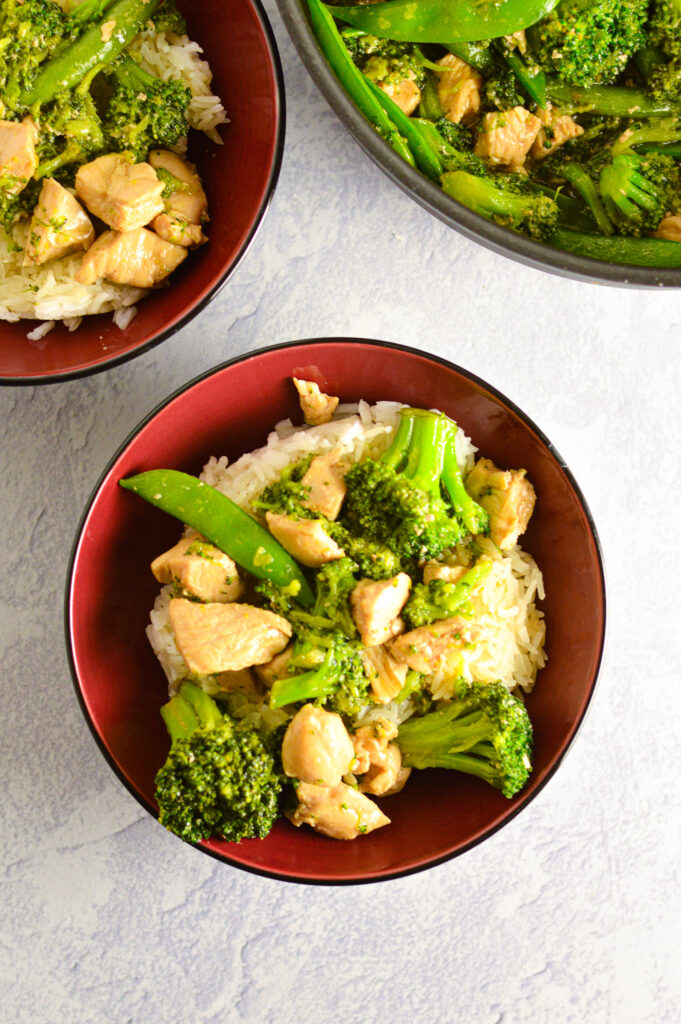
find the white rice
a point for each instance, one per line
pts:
(511, 648)
(50, 292)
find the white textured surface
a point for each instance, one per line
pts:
(573, 912)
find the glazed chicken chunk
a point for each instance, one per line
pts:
(507, 495)
(186, 209)
(123, 194)
(386, 676)
(433, 648)
(556, 129)
(340, 812)
(225, 637)
(458, 89)
(442, 571)
(138, 258)
(505, 137)
(199, 569)
(317, 747)
(59, 225)
(377, 760)
(316, 406)
(376, 605)
(325, 478)
(669, 228)
(305, 539)
(276, 668)
(18, 159)
(405, 93)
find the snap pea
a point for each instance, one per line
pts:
(94, 48)
(352, 79)
(667, 149)
(444, 21)
(426, 158)
(606, 100)
(223, 523)
(477, 54)
(637, 252)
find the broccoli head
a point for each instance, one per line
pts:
(144, 111)
(30, 31)
(384, 61)
(484, 731)
(219, 779)
(404, 498)
(638, 191)
(330, 671)
(439, 599)
(585, 42)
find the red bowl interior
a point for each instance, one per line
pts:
(239, 177)
(231, 410)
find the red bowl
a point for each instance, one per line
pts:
(231, 409)
(239, 178)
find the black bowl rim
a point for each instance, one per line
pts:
(245, 357)
(194, 310)
(431, 197)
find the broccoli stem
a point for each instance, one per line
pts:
(319, 682)
(660, 133)
(87, 11)
(189, 710)
(473, 517)
(97, 46)
(583, 184)
(417, 450)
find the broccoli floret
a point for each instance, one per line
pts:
(439, 599)
(513, 205)
(638, 191)
(144, 111)
(384, 61)
(500, 89)
(331, 673)
(286, 495)
(167, 18)
(457, 135)
(71, 132)
(586, 42)
(219, 780)
(30, 31)
(484, 730)
(402, 499)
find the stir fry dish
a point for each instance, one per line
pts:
(346, 605)
(559, 120)
(97, 201)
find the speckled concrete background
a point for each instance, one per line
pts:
(573, 912)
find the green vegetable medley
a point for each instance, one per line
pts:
(352, 593)
(559, 120)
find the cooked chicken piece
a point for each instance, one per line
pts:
(305, 539)
(225, 637)
(669, 228)
(325, 478)
(505, 137)
(441, 571)
(405, 93)
(199, 569)
(341, 812)
(18, 159)
(378, 760)
(556, 129)
(59, 225)
(386, 676)
(430, 648)
(517, 41)
(186, 209)
(317, 747)
(316, 406)
(241, 681)
(376, 605)
(123, 194)
(508, 496)
(274, 669)
(459, 89)
(138, 257)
